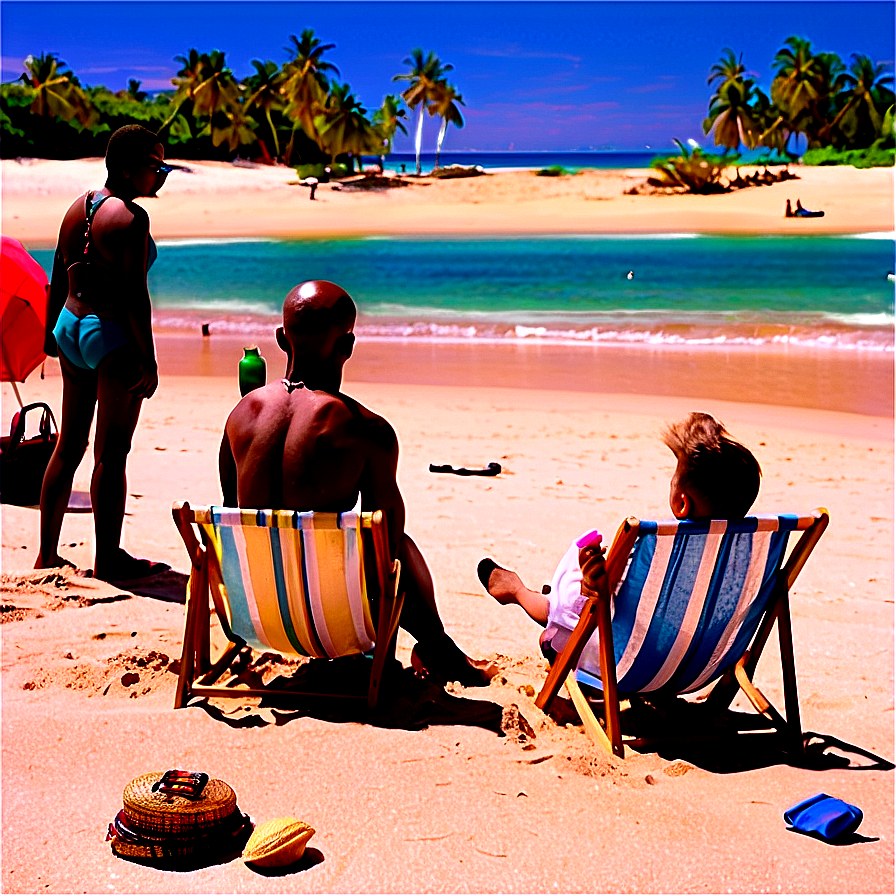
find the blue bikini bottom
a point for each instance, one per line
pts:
(85, 341)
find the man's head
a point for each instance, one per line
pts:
(134, 157)
(318, 319)
(716, 477)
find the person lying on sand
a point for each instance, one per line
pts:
(302, 444)
(715, 478)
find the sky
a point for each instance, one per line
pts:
(551, 76)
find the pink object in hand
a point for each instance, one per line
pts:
(589, 538)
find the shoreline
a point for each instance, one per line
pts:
(849, 382)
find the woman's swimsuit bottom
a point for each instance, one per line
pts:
(87, 340)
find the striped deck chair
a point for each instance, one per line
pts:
(692, 603)
(303, 584)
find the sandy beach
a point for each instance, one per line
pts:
(441, 797)
(270, 202)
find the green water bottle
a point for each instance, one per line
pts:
(253, 371)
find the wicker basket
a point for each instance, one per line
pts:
(166, 827)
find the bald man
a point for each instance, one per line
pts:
(301, 444)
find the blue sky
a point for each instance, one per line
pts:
(533, 75)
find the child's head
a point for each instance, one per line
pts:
(716, 477)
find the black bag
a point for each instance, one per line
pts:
(23, 462)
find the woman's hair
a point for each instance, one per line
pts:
(712, 464)
(129, 147)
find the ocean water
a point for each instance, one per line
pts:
(498, 160)
(825, 292)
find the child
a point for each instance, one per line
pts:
(715, 478)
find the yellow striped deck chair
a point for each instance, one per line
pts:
(683, 605)
(300, 584)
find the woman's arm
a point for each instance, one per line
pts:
(135, 255)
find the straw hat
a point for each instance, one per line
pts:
(278, 842)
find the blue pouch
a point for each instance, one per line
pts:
(823, 816)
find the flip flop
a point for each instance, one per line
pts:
(484, 570)
(491, 470)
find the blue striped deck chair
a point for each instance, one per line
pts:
(679, 606)
(299, 584)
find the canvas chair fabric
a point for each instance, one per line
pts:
(683, 605)
(311, 584)
(690, 601)
(312, 563)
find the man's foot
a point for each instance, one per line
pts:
(443, 661)
(502, 584)
(122, 567)
(54, 562)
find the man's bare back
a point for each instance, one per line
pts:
(289, 447)
(301, 444)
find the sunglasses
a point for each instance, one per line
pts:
(160, 167)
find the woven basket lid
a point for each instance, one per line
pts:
(156, 813)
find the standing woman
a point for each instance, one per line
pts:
(103, 334)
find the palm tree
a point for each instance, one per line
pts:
(342, 125)
(731, 117)
(233, 127)
(426, 72)
(304, 84)
(188, 78)
(264, 88)
(445, 105)
(134, 91)
(57, 92)
(866, 98)
(217, 90)
(387, 120)
(799, 84)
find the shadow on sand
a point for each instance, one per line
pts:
(405, 702)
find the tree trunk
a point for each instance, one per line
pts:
(418, 139)
(443, 127)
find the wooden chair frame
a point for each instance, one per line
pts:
(596, 615)
(199, 672)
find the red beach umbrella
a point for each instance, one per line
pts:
(23, 312)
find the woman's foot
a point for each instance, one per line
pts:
(54, 562)
(122, 567)
(443, 661)
(502, 584)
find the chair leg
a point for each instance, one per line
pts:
(185, 676)
(788, 671)
(386, 636)
(570, 654)
(593, 728)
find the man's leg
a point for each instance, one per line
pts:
(436, 653)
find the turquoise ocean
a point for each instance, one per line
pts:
(823, 292)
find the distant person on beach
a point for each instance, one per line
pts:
(99, 324)
(302, 444)
(715, 478)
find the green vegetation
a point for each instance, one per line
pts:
(552, 171)
(844, 113)
(295, 113)
(839, 109)
(693, 170)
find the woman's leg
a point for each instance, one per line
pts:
(78, 401)
(117, 413)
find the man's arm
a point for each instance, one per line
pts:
(227, 472)
(379, 487)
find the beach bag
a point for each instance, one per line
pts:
(178, 819)
(23, 462)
